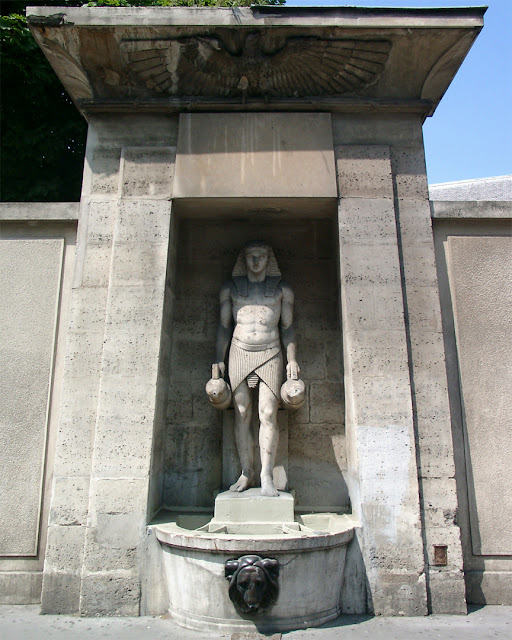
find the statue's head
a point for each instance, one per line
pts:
(253, 582)
(257, 257)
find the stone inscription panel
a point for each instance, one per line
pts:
(480, 271)
(29, 290)
(229, 155)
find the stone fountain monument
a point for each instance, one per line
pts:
(256, 519)
(210, 129)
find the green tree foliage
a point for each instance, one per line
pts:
(42, 134)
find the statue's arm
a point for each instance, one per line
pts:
(288, 333)
(224, 331)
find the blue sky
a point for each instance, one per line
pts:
(470, 134)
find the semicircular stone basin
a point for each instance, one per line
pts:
(311, 555)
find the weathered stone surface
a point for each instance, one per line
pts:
(39, 211)
(60, 593)
(148, 172)
(112, 371)
(373, 219)
(192, 470)
(369, 350)
(393, 408)
(364, 171)
(20, 587)
(419, 263)
(111, 593)
(409, 172)
(117, 130)
(317, 462)
(256, 155)
(399, 594)
(76, 433)
(327, 403)
(70, 504)
(160, 35)
(480, 268)
(105, 171)
(383, 129)
(371, 264)
(64, 552)
(112, 541)
(448, 592)
(471, 209)
(431, 406)
(154, 594)
(96, 268)
(378, 393)
(369, 301)
(489, 587)
(30, 289)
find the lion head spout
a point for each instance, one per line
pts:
(253, 583)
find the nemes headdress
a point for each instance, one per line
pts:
(272, 276)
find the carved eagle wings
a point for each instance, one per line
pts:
(302, 66)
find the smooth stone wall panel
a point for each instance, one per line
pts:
(480, 271)
(229, 155)
(30, 292)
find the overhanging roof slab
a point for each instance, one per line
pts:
(255, 59)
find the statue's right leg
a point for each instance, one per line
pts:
(242, 402)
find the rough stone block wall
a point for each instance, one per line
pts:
(110, 415)
(306, 252)
(436, 471)
(394, 174)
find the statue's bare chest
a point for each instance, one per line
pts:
(256, 302)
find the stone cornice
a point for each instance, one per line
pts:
(270, 16)
(255, 59)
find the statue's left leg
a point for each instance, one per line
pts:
(269, 438)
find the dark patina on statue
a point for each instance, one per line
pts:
(253, 583)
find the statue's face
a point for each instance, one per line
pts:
(256, 259)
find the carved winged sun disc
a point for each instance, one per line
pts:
(302, 66)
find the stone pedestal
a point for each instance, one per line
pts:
(249, 511)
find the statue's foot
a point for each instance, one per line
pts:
(267, 487)
(241, 484)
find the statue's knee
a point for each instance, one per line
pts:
(243, 411)
(267, 414)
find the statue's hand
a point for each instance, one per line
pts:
(292, 370)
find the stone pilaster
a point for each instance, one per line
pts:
(382, 474)
(445, 583)
(111, 394)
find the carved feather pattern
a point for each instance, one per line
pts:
(303, 66)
